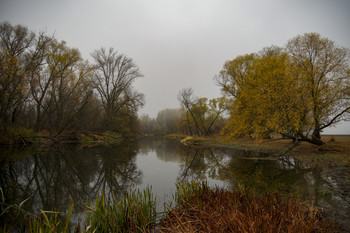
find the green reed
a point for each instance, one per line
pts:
(135, 212)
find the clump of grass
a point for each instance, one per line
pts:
(185, 190)
(50, 221)
(135, 212)
(204, 209)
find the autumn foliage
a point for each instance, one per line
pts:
(46, 85)
(296, 91)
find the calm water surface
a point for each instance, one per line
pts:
(53, 178)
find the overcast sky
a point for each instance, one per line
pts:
(181, 43)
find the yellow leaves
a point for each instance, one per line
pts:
(266, 99)
(295, 90)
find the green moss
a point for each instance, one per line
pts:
(112, 137)
(87, 139)
(19, 135)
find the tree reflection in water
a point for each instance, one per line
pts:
(231, 166)
(54, 178)
(251, 169)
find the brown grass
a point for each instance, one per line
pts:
(219, 210)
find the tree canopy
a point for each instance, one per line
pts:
(296, 91)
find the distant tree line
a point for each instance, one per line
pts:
(46, 85)
(297, 91)
(166, 122)
(196, 116)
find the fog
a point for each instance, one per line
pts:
(181, 43)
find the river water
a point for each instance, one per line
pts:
(53, 178)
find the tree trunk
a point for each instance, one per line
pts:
(316, 135)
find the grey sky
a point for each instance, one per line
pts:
(181, 43)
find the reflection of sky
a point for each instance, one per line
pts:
(158, 174)
(162, 175)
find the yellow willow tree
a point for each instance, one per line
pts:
(268, 96)
(297, 91)
(324, 68)
(201, 116)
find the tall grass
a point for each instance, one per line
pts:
(50, 221)
(186, 190)
(136, 212)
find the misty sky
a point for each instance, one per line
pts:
(181, 43)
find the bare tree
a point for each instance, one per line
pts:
(114, 75)
(187, 100)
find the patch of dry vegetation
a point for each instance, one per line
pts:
(202, 209)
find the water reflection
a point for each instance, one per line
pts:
(261, 172)
(54, 178)
(252, 169)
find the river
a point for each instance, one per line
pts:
(52, 178)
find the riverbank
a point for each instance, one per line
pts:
(22, 137)
(335, 151)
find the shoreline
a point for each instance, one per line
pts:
(335, 151)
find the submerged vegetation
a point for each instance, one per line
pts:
(198, 208)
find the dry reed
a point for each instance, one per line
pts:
(218, 210)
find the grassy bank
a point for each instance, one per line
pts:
(335, 151)
(198, 208)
